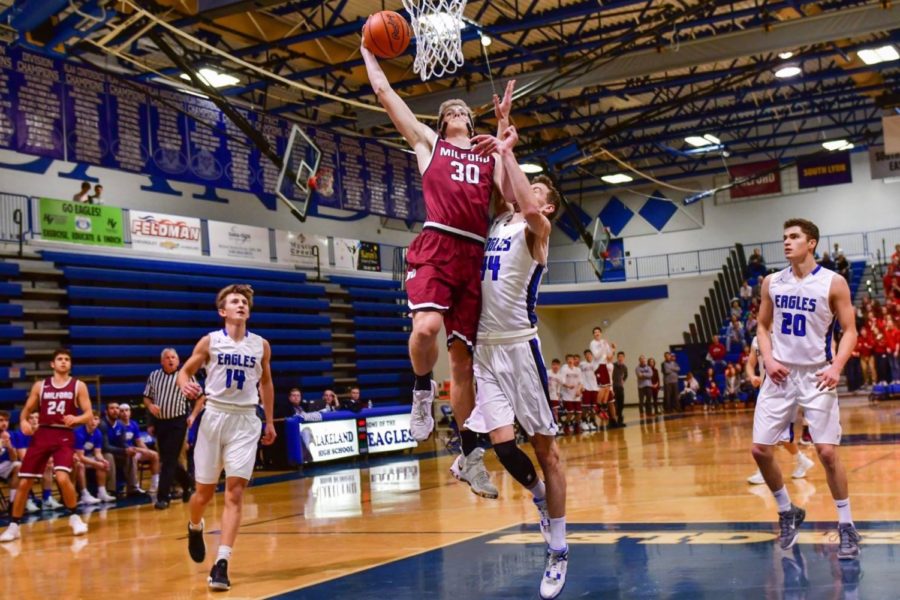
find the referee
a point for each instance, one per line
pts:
(172, 416)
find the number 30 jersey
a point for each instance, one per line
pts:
(233, 370)
(509, 283)
(803, 324)
(457, 187)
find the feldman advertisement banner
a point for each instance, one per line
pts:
(230, 240)
(299, 248)
(883, 165)
(79, 223)
(824, 169)
(758, 185)
(389, 432)
(329, 440)
(168, 234)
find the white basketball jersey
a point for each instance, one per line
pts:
(234, 369)
(571, 376)
(589, 376)
(803, 323)
(554, 381)
(509, 283)
(601, 349)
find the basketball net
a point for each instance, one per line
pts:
(438, 27)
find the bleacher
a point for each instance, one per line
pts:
(121, 312)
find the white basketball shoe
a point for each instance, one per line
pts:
(422, 422)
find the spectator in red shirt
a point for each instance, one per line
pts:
(713, 393)
(892, 335)
(716, 351)
(864, 345)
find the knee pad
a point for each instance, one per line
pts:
(516, 463)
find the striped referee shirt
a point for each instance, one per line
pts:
(163, 391)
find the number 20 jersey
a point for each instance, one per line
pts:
(509, 282)
(803, 324)
(233, 369)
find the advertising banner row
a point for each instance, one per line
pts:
(102, 225)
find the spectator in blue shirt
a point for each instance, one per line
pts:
(21, 442)
(9, 465)
(89, 455)
(128, 433)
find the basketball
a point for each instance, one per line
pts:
(387, 34)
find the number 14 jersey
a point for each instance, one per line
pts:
(233, 369)
(509, 283)
(803, 324)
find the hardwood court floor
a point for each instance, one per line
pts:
(337, 520)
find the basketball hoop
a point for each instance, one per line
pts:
(438, 27)
(599, 252)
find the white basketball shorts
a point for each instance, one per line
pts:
(511, 384)
(776, 407)
(6, 468)
(229, 440)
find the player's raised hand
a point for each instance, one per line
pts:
(269, 436)
(777, 371)
(828, 378)
(191, 390)
(508, 139)
(484, 144)
(502, 108)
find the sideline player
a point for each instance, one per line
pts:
(57, 399)
(569, 393)
(445, 260)
(236, 361)
(604, 353)
(590, 389)
(786, 440)
(796, 321)
(555, 381)
(509, 368)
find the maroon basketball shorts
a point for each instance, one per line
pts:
(588, 398)
(445, 276)
(603, 378)
(49, 442)
(573, 406)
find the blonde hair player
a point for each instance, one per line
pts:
(238, 376)
(796, 322)
(509, 369)
(445, 260)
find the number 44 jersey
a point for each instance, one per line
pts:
(509, 282)
(802, 324)
(233, 370)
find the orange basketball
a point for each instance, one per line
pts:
(387, 34)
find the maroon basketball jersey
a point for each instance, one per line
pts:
(57, 402)
(457, 187)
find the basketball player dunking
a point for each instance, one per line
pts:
(796, 321)
(58, 400)
(509, 369)
(445, 260)
(235, 360)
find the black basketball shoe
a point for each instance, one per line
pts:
(196, 544)
(218, 576)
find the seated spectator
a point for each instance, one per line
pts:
(9, 463)
(713, 393)
(746, 294)
(745, 355)
(864, 347)
(313, 406)
(89, 455)
(97, 196)
(716, 352)
(331, 401)
(84, 194)
(736, 309)
(295, 398)
(750, 327)
(114, 453)
(734, 334)
(756, 265)
(128, 433)
(354, 403)
(826, 262)
(842, 266)
(732, 384)
(892, 336)
(690, 391)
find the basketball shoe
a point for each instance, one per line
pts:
(756, 478)
(51, 504)
(104, 496)
(11, 534)
(218, 576)
(31, 507)
(471, 470)
(196, 544)
(789, 522)
(543, 518)
(422, 422)
(78, 526)
(554, 579)
(849, 546)
(87, 498)
(804, 464)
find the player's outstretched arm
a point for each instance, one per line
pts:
(267, 394)
(521, 187)
(190, 388)
(503, 107)
(417, 134)
(842, 307)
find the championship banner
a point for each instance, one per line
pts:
(761, 185)
(298, 248)
(345, 253)
(388, 433)
(824, 169)
(369, 256)
(229, 240)
(79, 223)
(168, 234)
(883, 165)
(329, 440)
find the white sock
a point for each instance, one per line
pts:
(783, 499)
(558, 534)
(843, 508)
(12, 496)
(538, 490)
(224, 553)
(154, 481)
(196, 526)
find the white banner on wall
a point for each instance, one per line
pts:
(230, 240)
(329, 440)
(883, 165)
(168, 234)
(297, 248)
(389, 432)
(346, 252)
